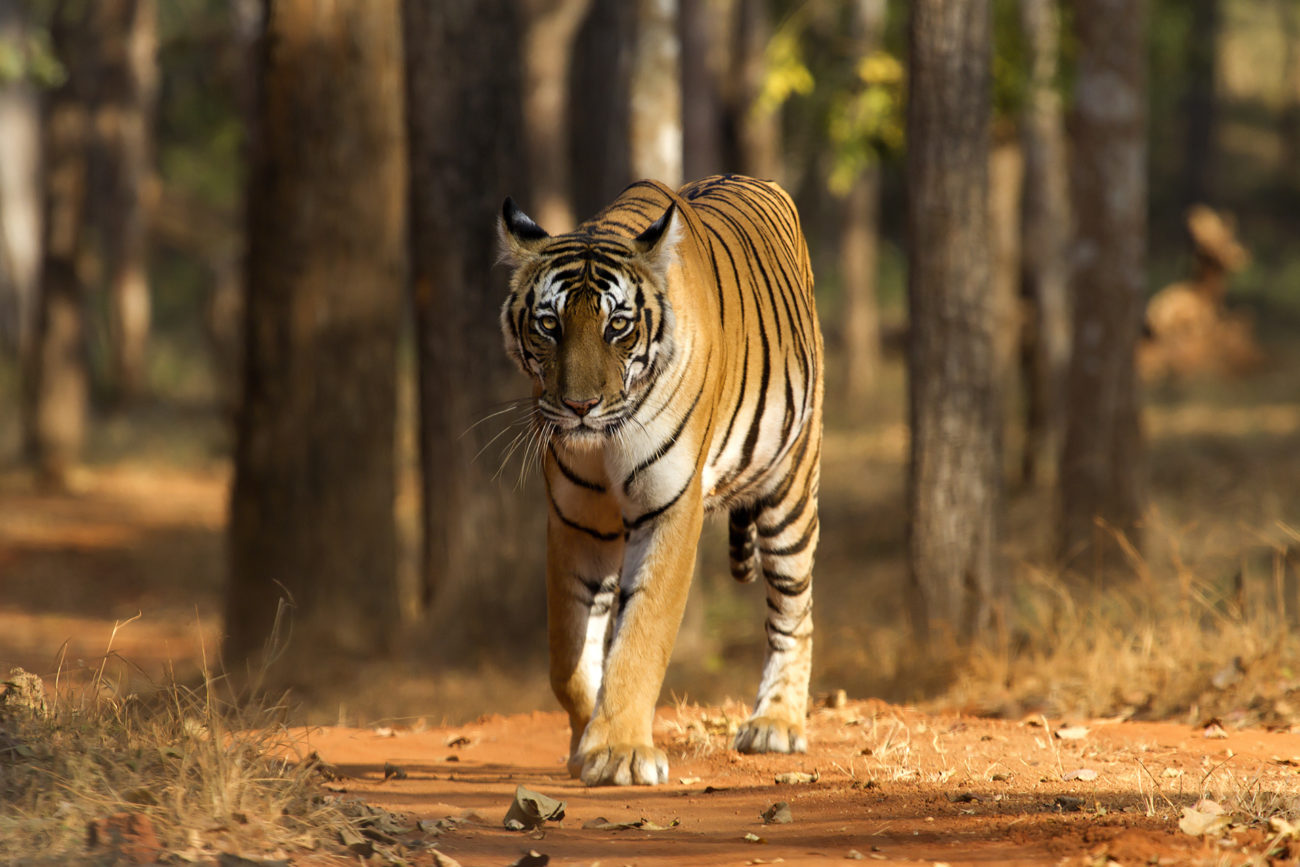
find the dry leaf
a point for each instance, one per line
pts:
(689, 781)
(793, 777)
(754, 838)
(600, 823)
(1072, 733)
(531, 810)
(1207, 817)
(1085, 774)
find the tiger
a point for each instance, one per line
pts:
(676, 361)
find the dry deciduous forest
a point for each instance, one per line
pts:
(269, 540)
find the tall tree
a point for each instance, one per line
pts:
(953, 479)
(656, 97)
(56, 387)
(311, 512)
(121, 160)
(599, 120)
(483, 542)
(1200, 102)
(551, 26)
(859, 240)
(20, 192)
(1101, 467)
(1289, 13)
(756, 129)
(1044, 226)
(701, 35)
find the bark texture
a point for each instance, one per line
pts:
(859, 245)
(953, 480)
(1201, 104)
(1045, 228)
(121, 168)
(56, 385)
(1101, 464)
(551, 26)
(311, 517)
(656, 97)
(20, 192)
(483, 539)
(600, 78)
(757, 132)
(700, 30)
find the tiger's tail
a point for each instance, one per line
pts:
(745, 566)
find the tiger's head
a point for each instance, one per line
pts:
(588, 317)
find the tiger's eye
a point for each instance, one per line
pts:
(619, 323)
(549, 324)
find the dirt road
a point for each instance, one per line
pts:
(891, 785)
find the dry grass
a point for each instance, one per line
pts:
(1171, 645)
(214, 770)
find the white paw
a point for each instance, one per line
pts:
(621, 765)
(766, 734)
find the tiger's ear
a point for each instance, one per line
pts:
(658, 243)
(520, 236)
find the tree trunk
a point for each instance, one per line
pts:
(600, 78)
(121, 159)
(953, 477)
(483, 541)
(20, 194)
(57, 382)
(859, 245)
(1101, 487)
(702, 56)
(757, 131)
(1289, 12)
(656, 97)
(1200, 103)
(1044, 227)
(311, 516)
(548, 47)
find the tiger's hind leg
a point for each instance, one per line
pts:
(787, 540)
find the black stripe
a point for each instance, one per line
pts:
(646, 517)
(787, 585)
(574, 477)
(582, 528)
(667, 446)
(791, 516)
(796, 547)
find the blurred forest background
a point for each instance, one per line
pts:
(252, 386)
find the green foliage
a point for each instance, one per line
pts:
(30, 57)
(866, 120)
(854, 93)
(844, 87)
(787, 73)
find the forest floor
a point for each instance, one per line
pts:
(119, 582)
(893, 783)
(888, 784)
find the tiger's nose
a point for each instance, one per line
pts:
(581, 407)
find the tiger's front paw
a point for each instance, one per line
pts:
(621, 765)
(767, 734)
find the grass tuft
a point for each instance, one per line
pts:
(211, 769)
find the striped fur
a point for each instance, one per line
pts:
(677, 365)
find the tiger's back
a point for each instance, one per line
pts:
(678, 360)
